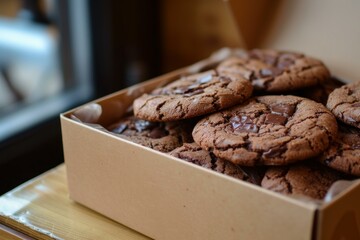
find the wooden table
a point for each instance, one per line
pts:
(41, 209)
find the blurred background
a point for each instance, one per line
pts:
(58, 54)
(55, 55)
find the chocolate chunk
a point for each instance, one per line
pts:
(240, 120)
(270, 72)
(356, 146)
(285, 64)
(245, 127)
(236, 125)
(349, 120)
(266, 72)
(179, 90)
(270, 59)
(248, 75)
(193, 86)
(141, 125)
(328, 161)
(247, 119)
(192, 89)
(286, 60)
(275, 119)
(275, 152)
(119, 129)
(283, 109)
(192, 93)
(205, 79)
(243, 124)
(224, 79)
(189, 90)
(248, 128)
(259, 83)
(158, 132)
(357, 104)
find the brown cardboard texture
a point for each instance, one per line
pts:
(166, 198)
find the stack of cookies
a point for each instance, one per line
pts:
(275, 119)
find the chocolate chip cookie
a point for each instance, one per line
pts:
(308, 179)
(344, 152)
(192, 96)
(320, 93)
(191, 152)
(276, 71)
(268, 130)
(344, 103)
(163, 137)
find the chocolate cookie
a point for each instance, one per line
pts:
(276, 71)
(320, 93)
(309, 179)
(191, 152)
(268, 130)
(344, 152)
(163, 137)
(344, 103)
(193, 96)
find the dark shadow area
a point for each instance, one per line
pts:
(103, 46)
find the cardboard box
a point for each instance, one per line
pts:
(166, 198)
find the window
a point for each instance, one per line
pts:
(59, 54)
(44, 61)
(45, 69)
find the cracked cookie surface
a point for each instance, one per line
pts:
(163, 137)
(344, 152)
(344, 103)
(276, 71)
(268, 130)
(192, 96)
(193, 153)
(308, 179)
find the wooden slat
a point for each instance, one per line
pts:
(11, 234)
(41, 208)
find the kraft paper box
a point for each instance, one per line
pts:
(166, 198)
